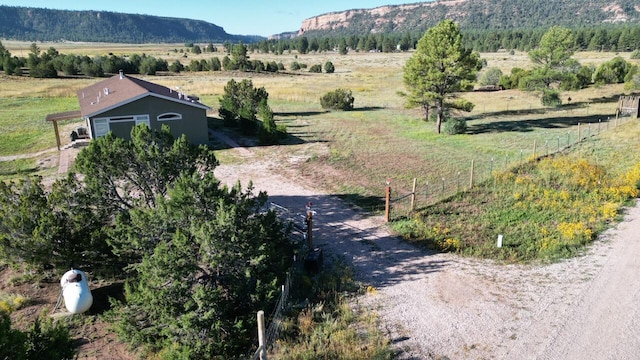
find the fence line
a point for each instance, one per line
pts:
(436, 187)
(276, 318)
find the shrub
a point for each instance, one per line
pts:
(329, 68)
(455, 126)
(295, 66)
(44, 340)
(612, 71)
(635, 54)
(317, 68)
(490, 76)
(551, 98)
(338, 99)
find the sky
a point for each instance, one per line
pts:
(237, 17)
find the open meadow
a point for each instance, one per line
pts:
(350, 152)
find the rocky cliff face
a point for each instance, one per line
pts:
(477, 14)
(379, 15)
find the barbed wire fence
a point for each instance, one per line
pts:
(432, 188)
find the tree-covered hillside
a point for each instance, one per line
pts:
(33, 24)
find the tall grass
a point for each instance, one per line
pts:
(544, 209)
(329, 324)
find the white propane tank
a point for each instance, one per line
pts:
(75, 290)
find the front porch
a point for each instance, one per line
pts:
(54, 118)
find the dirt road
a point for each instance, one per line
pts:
(439, 306)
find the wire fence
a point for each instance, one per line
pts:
(432, 188)
(298, 236)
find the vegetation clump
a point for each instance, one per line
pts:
(329, 325)
(44, 339)
(338, 99)
(546, 210)
(440, 67)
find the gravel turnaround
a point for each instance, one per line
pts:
(443, 306)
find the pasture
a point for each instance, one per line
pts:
(351, 153)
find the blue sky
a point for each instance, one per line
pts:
(238, 17)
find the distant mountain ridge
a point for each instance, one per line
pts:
(474, 14)
(36, 24)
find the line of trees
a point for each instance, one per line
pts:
(596, 38)
(50, 63)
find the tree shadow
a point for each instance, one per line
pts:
(368, 108)
(225, 137)
(23, 172)
(299, 113)
(530, 125)
(347, 233)
(102, 295)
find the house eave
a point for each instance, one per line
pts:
(141, 96)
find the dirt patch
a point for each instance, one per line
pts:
(91, 334)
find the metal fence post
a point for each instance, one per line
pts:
(579, 136)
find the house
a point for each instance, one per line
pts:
(118, 103)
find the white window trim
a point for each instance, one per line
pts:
(137, 119)
(174, 116)
(119, 119)
(104, 121)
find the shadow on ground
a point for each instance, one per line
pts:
(379, 258)
(531, 125)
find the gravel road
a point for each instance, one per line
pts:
(443, 306)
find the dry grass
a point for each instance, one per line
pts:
(380, 139)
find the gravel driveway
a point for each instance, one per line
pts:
(443, 306)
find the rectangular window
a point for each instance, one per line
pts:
(143, 119)
(100, 127)
(121, 119)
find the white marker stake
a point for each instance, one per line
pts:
(500, 241)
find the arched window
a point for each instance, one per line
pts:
(169, 116)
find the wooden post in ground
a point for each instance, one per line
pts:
(261, 336)
(55, 129)
(309, 220)
(387, 202)
(471, 174)
(413, 195)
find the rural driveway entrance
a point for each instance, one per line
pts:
(439, 306)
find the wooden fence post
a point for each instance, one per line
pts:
(261, 336)
(387, 202)
(309, 220)
(413, 195)
(471, 174)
